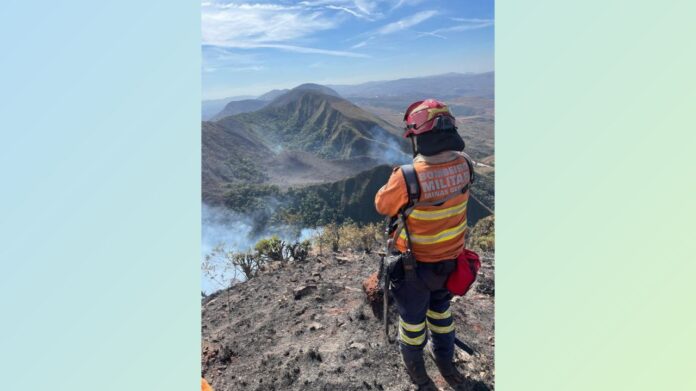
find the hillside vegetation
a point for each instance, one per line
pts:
(329, 126)
(317, 205)
(306, 135)
(308, 157)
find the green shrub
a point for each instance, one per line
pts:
(219, 262)
(271, 248)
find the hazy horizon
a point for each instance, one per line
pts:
(249, 48)
(250, 95)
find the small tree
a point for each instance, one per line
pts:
(223, 266)
(371, 235)
(349, 236)
(217, 267)
(330, 237)
(246, 262)
(271, 248)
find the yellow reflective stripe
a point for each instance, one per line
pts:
(443, 236)
(411, 327)
(438, 214)
(439, 315)
(433, 112)
(441, 329)
(416, 341)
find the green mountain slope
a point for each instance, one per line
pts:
(352, 199)
(318, 205)
(305, 136)
(309, 119)
(230, 154)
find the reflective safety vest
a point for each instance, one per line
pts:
(437, 230)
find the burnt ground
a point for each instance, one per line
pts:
(308, 326)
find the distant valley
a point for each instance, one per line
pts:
(317, 154)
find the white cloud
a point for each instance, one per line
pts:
(365, 6)
(363, 9)
(405, 23)
(401, 3)
(347, 10)
(245, 24)
(466, 24)
(430, 34)
(362, 43)
(275, 26)
(469, 20)
(302, 49)
(250, 68)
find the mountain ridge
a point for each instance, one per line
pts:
(440, 86)
(445, 85)
(304, 134)
(239, 106)
(326, 125)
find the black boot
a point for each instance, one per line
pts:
(419, 376)
(446, 367)
(450, 373)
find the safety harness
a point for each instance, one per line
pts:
(398, 223)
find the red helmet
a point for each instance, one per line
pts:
(425, 115)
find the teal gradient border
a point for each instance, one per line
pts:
(595, 181)
(100, 218)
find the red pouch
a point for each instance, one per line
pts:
(460, 280)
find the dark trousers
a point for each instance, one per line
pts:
(423, 304)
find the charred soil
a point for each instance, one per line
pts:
(308, 326)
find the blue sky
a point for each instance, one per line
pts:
(249, 48)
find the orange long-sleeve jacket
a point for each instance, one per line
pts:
(437, 232)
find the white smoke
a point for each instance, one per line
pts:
(221, 227)
(386, 149)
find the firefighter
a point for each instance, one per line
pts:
(435, 224)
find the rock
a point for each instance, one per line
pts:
(486, 286)
(314, 355)
(358, 346)
(304, 291)
(374, 294)
(461, 356)
(315, 326)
